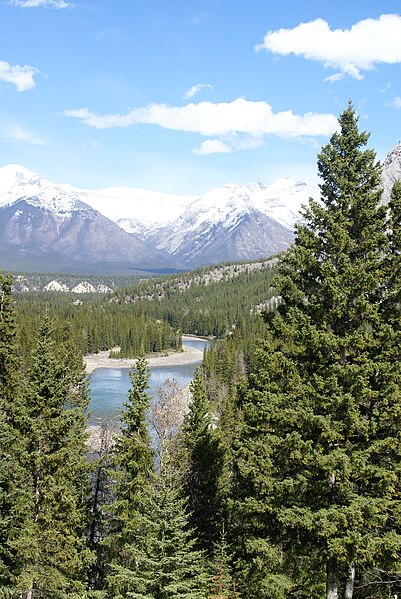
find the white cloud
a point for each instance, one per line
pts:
(386, 88)
(57, 4)
(212, 146)
(352, 51)
(18, 133)
(195, 89)
(20, 76)
(396, 103)
(229, 144)
(239, 117)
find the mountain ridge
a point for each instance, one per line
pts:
(60, 225)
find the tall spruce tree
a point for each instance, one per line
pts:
(11, 440)
(204, 456)
(132, 467)
(318, 460)
(166, 564)
(51, 558)
(155, 554)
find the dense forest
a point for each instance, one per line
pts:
(280, 481)
(150, 315)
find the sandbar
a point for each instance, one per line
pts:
(189, 355)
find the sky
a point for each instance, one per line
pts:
(181, 96)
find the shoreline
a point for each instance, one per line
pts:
(189, 355)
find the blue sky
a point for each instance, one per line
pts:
(184, 95)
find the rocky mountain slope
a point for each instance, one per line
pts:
(391, 170)
(235, 222)
(47, 227)
(51, 227)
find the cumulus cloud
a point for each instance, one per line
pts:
(57, 4)
(212, 146)
(18, 133)
(240, 116)
(20, 76)
(351, 51)
(229, 144)
(195, 89)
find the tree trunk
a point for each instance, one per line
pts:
(349, 585)
(331, 579)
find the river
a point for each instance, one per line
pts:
(109, 386)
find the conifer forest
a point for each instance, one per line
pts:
(284, 479)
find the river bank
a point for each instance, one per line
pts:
(189, 355)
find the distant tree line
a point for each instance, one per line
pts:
(96, 324)
(151, 315)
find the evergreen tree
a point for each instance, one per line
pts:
(223, 586)
(51, 558)
(154, 548)
(203, 472)
(11, 440)
(318, 461)
(133, 463)
(166, 564)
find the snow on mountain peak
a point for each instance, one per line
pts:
(14, 174)
(19, 183)
(281, 201)
(391, 170)
(134, 209)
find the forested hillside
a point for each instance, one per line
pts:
(282, 480)
(151, 315)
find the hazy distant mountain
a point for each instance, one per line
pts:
(47, 227)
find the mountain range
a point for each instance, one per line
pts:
(49, 227)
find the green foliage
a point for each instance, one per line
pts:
(205, 460)
(154, 549)
(50, 555)
(150, 316)
(11, 439)
(96, 324)
(208, 301)
(318, 460)
(166, 564)
(133, 463)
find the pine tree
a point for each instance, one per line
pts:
(11, 440)
(223, 586)
(51, 558)
(203, 472)
(155, 548)
(166, 564)
(318, 461)
(132, 466)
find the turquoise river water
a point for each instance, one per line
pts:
(109, 386)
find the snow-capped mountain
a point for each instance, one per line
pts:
(235, 222)
(144, 208)
(48, 227)
(391, 170)
(133, 227)
(60, 226)
(17, 182)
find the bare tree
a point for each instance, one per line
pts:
(167, 415)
